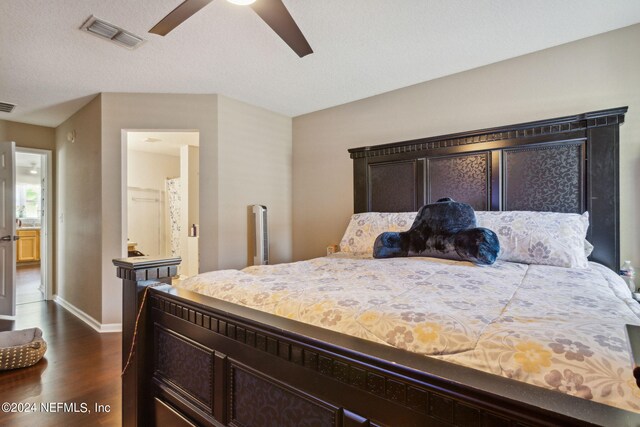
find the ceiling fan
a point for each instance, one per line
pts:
(273, 12)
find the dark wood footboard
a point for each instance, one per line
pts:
(137, 275)
(202, 361)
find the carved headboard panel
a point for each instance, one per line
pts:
(567, 164)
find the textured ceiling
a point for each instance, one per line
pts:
(25, 163)
(28, 160)
(167, 143)
(49, 68)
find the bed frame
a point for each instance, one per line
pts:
(203, 361)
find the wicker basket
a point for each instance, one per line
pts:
(26, 349)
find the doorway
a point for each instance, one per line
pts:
(162, 184)
(33, 225)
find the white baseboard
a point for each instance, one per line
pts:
(99, 327)
(5, 317)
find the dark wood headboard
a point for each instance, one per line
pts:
(566, 164)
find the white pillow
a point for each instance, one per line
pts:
(547, 238)
(364, 227)
(588, 248)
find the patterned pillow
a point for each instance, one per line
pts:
(548, 238)
(364, 227)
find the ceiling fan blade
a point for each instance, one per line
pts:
(276, 15)
(178, 15)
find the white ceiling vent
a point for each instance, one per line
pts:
(110, 32)
(5, 107)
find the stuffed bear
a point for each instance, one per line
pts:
(445, 229)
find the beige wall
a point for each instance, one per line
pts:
(133, 111)
(78, 213)
(190, 184)
(244, 159)
(189, 208)
(150, 170)
(255, 167)
(591, 74)
(28, 136)
(91, 189)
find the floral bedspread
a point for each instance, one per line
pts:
(553, 327)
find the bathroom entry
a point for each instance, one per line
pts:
(31, 226)
(162, 195)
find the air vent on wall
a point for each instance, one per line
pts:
(5, 107)
(107, 31)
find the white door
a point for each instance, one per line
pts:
(44, 230)
(7, 229)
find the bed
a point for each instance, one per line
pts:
(238, 356)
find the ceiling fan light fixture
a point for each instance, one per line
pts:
(242, 2)
(273, 12)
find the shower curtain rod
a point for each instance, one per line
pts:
(145, 189)
(142, 199)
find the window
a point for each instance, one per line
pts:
(27, 201)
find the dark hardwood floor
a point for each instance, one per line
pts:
(80, 366)
(28, 283)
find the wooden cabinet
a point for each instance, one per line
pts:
(28, 246)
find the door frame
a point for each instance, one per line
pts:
(46, 244)
(124, 175)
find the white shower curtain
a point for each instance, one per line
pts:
(173, 205)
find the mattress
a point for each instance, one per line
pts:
(553, 327)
